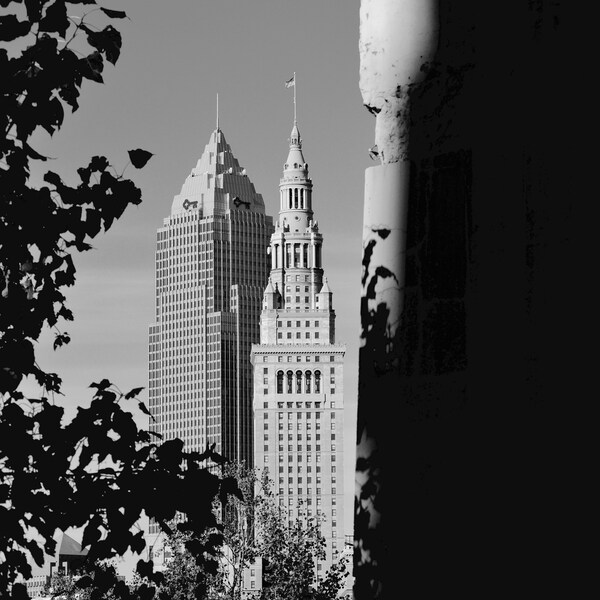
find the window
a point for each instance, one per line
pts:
(289, 335)
(289, 323)
(297, 298)
(265, 360)
(332, 359)
(265, 370)
(317, 358)
(266, 449)
(298, 335)
(265, 405)
(298, 382)
(297, 323)
(280, 382)
(279, 337)
(290, 376)
(307, 335)
(279, 323)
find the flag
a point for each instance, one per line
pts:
(291, 82)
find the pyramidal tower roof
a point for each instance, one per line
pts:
(295, 161)
(217, 183)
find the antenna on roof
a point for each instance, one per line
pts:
(217, 110)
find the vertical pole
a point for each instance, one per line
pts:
(396, 38)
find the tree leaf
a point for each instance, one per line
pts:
(145, 410)
(11, 28)
(55, 18)
(139, 157)
(103, 385)
(134, 392)
(108, 41)
(53, 178)
(114, 14)
(98, 163)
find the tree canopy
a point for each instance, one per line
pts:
(256, 527)
(99, 471)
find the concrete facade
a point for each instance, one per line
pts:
(298, 367)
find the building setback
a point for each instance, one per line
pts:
(298, 367)
(211, 270)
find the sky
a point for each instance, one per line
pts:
(161, 96)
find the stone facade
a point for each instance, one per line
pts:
(298, 367)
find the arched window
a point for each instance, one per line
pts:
(280, 382)
(298, 382)
(290, 377)
(307, 377)
(302, 198)
(290, 197)
(317, 382)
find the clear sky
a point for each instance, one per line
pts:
(161, 97)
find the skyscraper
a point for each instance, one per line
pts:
(298, 367)
(211, 270)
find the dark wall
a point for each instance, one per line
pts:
(483, 386)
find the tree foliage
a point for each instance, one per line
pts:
(98, 472)
(255, 526)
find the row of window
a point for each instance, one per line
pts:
(298, 458)
(300, 448)
(299, 358)
(301, 491)
(291, 480)
(298, 323)
(298, 335)
(303, 382)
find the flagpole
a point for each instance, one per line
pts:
(217, 110)
(294, 97)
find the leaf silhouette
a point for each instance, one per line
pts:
(139, 157)
(134, 392)
(114, 14)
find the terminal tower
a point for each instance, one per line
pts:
(298, 366)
